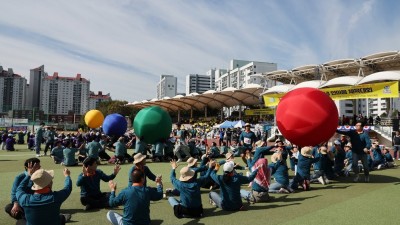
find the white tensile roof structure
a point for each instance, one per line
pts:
(228, 97)
(377, 67)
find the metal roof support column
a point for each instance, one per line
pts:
(191, 113)
(205, 111)
(179, 115)
(240, 111)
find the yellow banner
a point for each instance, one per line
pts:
(376, 90)
(271, 100)
(257, 112)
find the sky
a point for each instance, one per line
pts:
(124, 46)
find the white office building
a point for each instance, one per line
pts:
(61, 95)
(12, 91)
(167, 87)
(196, 83)
(241, 72)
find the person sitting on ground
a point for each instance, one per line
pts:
(89, 182)
(14, 209)
(31, 142)
(302, 177)
(223, 149)
(348, 161)
(57, 153)
(10, 142)
(180, 144)
(230, 182)
(43, 206)
(192, 164)
(201, 147)
(69, 154)
(389, 160)
(140, 164)
(214, 151)
(260, 185)
(102, 152)
(279, 170)
(188, 186)
(378, 160)
(136, 200)
(322, 165)
(120, 154)
(93, 149)
(340, 156)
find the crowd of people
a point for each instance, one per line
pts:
(32, 195)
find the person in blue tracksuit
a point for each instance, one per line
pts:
(360, 143)
(43, 206)
(229, 198)
(140, 164)
(260, 185)
(89, 182)
(378, 160)
(279, 171)
(135, 199)
(188, 186)
(302, 177)
(14, 209)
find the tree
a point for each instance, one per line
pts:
(117, 106)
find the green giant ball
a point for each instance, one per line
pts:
(152, 124)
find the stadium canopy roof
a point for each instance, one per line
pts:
(228, 97)
(381, 76)
(342, 81)
(339, 68)
(377, 67)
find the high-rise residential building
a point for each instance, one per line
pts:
(33, 94)
(200, 83)
(61, 95)
(96, 99)
(12, 91)
(241, 73)
(167, 87)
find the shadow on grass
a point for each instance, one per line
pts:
(194, 221)
(156, 222)
(330, 186)
(284, 198)
(6, 160)
(373, 178)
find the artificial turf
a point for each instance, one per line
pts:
(340, 202)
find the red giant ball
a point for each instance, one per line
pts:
(307, 116)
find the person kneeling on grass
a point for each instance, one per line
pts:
(229, 198)
(302, 177)
(189, 189)
(89, 181)
(136, 200)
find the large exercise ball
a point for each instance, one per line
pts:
(114, 125)
(94, 118)
(152, 124)
(307, 116)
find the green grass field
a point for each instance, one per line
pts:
(341, 202)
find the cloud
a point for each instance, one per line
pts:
(123, 47)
